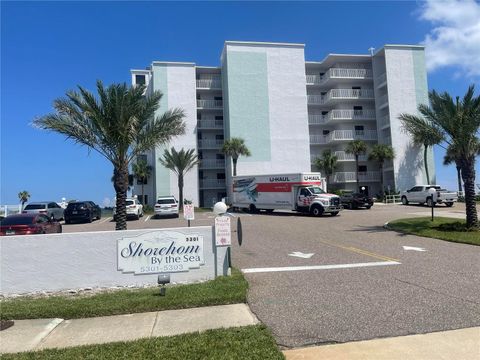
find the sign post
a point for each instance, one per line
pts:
(188, 213)
(433, 197)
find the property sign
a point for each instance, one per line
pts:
(160, 252)
(223, 234)
(188, 212)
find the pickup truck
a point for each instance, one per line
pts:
(419, 194)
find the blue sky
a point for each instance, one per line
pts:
(48, 48)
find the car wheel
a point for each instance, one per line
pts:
(368, 207)
(90, 218)
(253, 209)
(52, 217)
(269, 211)
(60, 229)
(430, 202)
(404, 200)
(350, 206)
(335, 213)
(67, 221)
(137, 217)
(449, 204)
(316, 210)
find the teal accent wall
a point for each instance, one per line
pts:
(162, 174)
(421, 93)
(247, 102)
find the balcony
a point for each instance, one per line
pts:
(316, 99)
(340, 115)
(339, 73)
(350, 176)
(210, 104)
(212, 83)
(341, 94)
(343, 156)
(344, 135)
(212, 183)
(205, 124)
(212, 164)
(210, 144)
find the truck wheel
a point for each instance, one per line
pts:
(269, 211)
(404, 200)
(316, 210)
(253, 209)
(335, 213)
(430, 202)
(449, 204)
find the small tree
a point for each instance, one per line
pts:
(451, 158)
(142, 171)
(180, 162)
(357, 148)
(380, 153)
(235, 147)
(327, 163)
(23, 196)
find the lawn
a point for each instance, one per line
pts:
(222, 290)
(250, 342)
(441, 228)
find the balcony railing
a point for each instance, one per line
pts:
(214, 83)
(319, 119)
(339, 73)
(212, 163)
(351, 94)
(210, 104)
(344, 135)
(350, 176)
(343, 156)
(318, 139)
(210, 143)
(210, 124)
(316, 99)
(212, 183)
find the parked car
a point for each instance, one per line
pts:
(134, 209)
(29, 223)
(353, 200)
(49, 208)
(82, 210)
(419, 194)
(166, 206)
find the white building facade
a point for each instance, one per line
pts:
(289, 111)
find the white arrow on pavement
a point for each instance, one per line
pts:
(301, 255)
(413, 248)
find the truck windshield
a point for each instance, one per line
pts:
(316, 190)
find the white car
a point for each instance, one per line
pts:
(166, 206)
(134, 209)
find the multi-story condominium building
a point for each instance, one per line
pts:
(289, 111)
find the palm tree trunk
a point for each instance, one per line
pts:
(382, 191)
(120, 183)
(468, 175)
(143, 193)
(356, 172)
(459, 178)
(328, 182)
(425, 150)
(180, 190)
(235, 166)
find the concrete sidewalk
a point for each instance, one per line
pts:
(463, 344)
(27, 335)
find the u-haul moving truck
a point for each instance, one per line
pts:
(302, 192)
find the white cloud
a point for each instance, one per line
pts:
(455, 37)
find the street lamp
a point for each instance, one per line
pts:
(433, 197)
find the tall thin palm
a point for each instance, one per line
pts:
(459, 123)
(381, 153)
(119, 124)
(451, 158)
(357, 148)
(235, 147)
(180, 162)
(423, 134)
(23, 196)
(142, 171)
(327, 163)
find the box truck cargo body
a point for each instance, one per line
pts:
(302, 192)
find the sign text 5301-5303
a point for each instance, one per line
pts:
(160, 251)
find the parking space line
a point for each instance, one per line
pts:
(360, 251)
(146, 219)
(104, 220)
(319, 267)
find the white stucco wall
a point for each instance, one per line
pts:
(55, 262)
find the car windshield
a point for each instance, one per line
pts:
(17, 220)
(316, 190)
(76, 206)
(35, 206)
(129, 202)
(166, 201)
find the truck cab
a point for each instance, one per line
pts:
(314, 200)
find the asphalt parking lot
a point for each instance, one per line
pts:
(345, 278)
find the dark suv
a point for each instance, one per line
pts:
(83, 211)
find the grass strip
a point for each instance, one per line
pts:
(249, 342)
(441, 228)
(221, 291)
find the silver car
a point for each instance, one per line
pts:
(49, 208)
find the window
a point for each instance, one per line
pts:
(220, 176)
(140, 79)
(219, 117)
(142, 158)
(145, 200)
(219, 156)
(359, 130)
(326, 132)
(359, 108)
(304, 192)
(218, 98)
(199, 116)
(324, 112)
(356, 87)
(42, 219)
(53, 206)
(362, 168)
(219, 137)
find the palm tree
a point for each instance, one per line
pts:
(422, 135)
(459, 123)
(357, 148)
(450, 158)
(142, 171)
(180, 162)
(23, 196)
(380, 153)
(235, 147)
(120, 124)
(327, 163)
